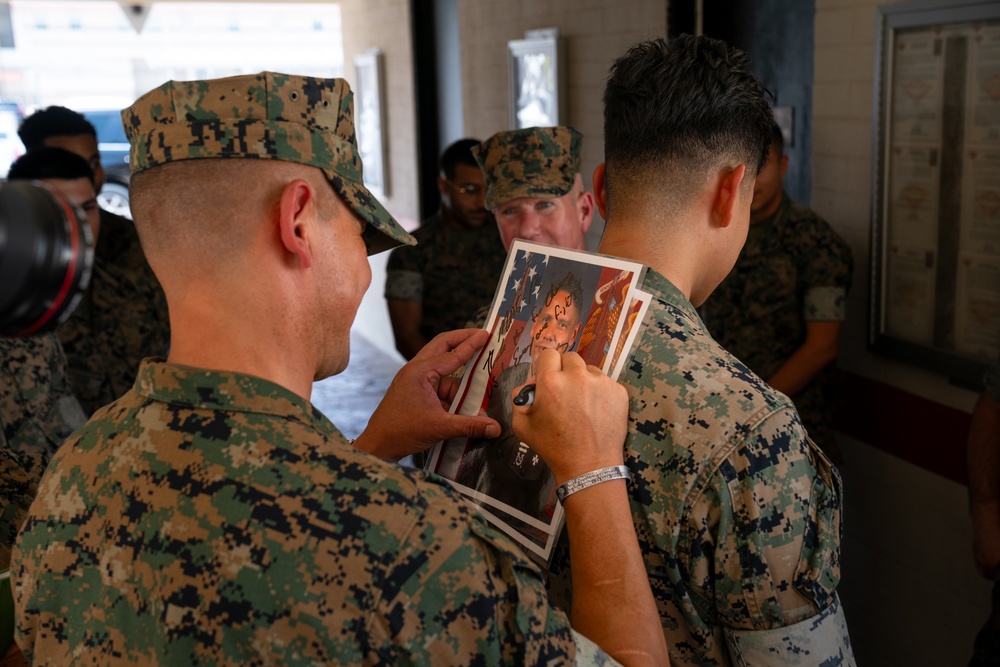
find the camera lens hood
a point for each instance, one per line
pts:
(46, 254)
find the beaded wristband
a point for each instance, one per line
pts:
(590, 479)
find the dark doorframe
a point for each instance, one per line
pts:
(425, 83)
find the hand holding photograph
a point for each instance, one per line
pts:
(547, 298)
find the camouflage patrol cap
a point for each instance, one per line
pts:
(268, 115)
(533, 162)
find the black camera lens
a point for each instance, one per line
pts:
(46, 253)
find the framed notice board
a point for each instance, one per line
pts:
(936, 202)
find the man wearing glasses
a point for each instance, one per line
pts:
(435, 285)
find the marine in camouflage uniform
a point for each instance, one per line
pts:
(450, 272)
(456, 264)
(116, 325)
(737, 511)
(37, 413)
(537, 165)
(217, 518)
(534, 186)
(124, 314)
(212, 517)
(794, 269)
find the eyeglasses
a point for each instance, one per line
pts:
(468, 188)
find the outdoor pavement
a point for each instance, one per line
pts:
(350, 398)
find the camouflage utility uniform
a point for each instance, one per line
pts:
(736, 510)
(117, 324)
(793, 269)
(37, 413)
(37, 407)
(118, 247)
(450, 272)
(210, 517)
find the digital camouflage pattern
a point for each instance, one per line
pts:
(119, 250)
(214, 518)
(450, 272)
(533, 162)
(737, 512)
(37, 412)
(37, 408)
(268, 115)
(116, 325)
(20, 473)
(793, 269)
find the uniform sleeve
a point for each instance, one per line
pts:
(461, 593)
(766, 535)
(796, 645)
(20, 474)
(825, 271)
(404, 274)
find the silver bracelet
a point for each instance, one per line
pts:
(590, 479)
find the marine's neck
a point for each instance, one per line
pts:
(232, 334)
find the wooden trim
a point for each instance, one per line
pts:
(909, 427)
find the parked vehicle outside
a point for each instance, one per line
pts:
(113, 144)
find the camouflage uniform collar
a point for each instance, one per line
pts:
(224, 390)
(661, 288)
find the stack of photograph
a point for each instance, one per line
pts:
(547, 297)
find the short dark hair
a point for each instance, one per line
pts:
(458, 153)
(54, 121)
(688, 103)
(50, 162)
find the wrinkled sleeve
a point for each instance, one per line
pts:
(590, 654)
(821, 639)
(766, 534)
(461, 593)
(825, 269)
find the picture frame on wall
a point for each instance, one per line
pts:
(537, 83)
(369, 114)
(936, 200)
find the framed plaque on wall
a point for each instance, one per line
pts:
(936, 201)
(537, 84)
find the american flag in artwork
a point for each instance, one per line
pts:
(522, 288)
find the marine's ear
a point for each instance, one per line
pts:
(600, 196)
(727, 195)
(297, 202)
